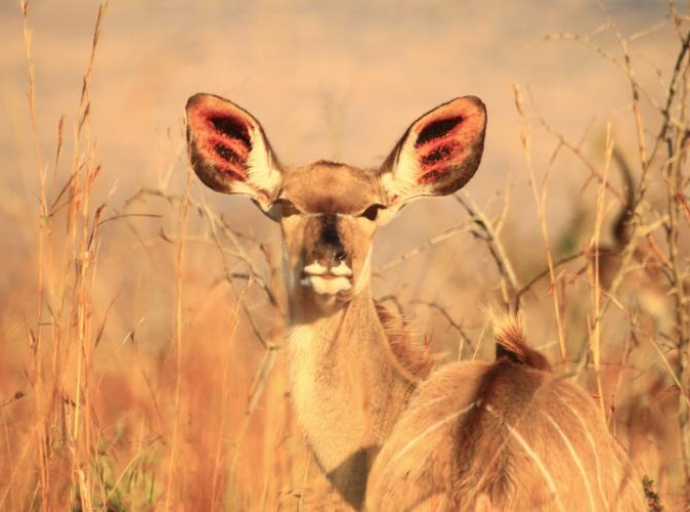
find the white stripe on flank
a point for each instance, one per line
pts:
(533, 455)
(428, 431)
(575, 457)
(592, 444)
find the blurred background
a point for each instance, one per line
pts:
(138, 323)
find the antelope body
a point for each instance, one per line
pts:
(507, 435)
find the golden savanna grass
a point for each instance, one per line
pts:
(141, 317)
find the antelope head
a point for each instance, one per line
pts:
(327, 211)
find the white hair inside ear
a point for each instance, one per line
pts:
(261, 168)
(403, 181)
(438, 154)
(229, 151)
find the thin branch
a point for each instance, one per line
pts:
(496, 249)
(465, 339)
(449, 233)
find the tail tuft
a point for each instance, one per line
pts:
(511, 342)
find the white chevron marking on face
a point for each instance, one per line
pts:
(327, 280)
(315, 269)
(327, 285)
(341, 270)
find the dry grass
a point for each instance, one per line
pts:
(140, 359)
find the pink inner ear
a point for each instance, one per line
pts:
(222, 138)
(438, 147)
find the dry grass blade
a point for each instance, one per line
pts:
(498, 252)
(412, 253)
(540, 200)
(179, 323)
(464, 338)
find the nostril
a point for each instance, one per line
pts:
(330, 236)
(340, 255)
(329, 230)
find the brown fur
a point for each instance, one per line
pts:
(335, 188)
(609, 257)
(502, 436)
(511, 343)
(507, 435)
(411, 357)
(349, 387)
(645, 283)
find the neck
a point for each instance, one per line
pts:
(350, 381)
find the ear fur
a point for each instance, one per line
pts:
(229, 151)
(438, 154)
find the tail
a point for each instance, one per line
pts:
(511, 342)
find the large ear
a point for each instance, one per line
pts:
(229, 151)
(438, 154)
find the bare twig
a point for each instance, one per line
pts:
(496, 249)
(540, 200)
(236, 251)
(464, 338)
(463, 228)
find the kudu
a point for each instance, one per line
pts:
(646, 285)
(506, 435)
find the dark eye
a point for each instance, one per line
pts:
(372, 212)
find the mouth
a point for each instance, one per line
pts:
(327, 280)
